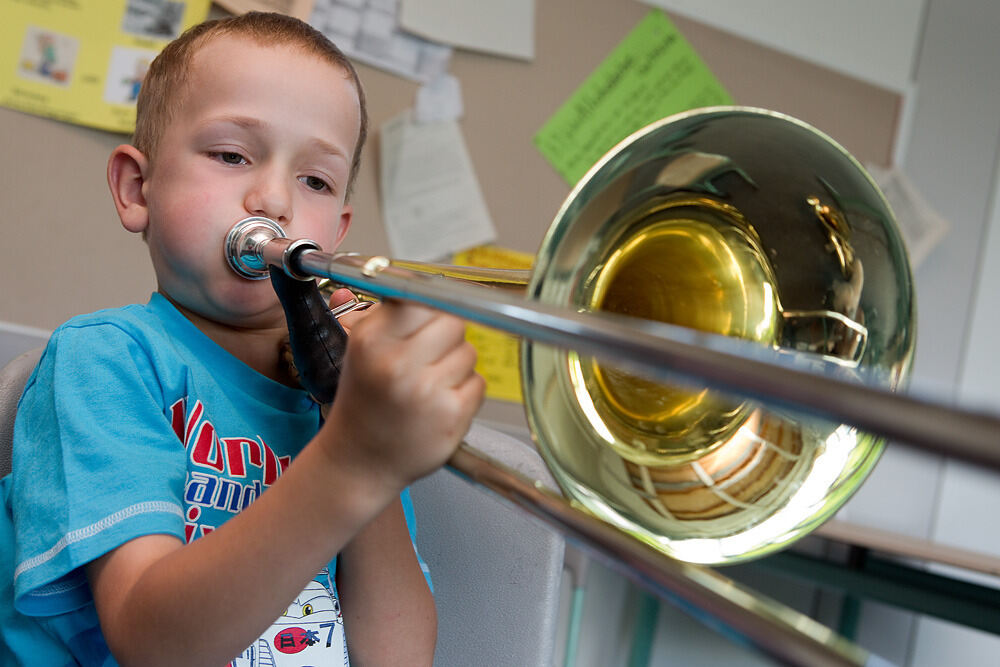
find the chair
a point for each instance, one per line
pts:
(496, 571)
(12, 379)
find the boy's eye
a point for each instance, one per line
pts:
(315, 183)
(231, 158)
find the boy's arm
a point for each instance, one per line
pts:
(389, 613)
(161, 602)
(407, 373)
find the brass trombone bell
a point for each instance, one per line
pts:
(742, 223)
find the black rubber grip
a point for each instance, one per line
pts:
(317, 340)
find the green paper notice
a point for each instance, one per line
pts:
(651, 74)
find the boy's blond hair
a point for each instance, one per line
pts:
(162, 89)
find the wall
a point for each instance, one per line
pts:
(957, 128)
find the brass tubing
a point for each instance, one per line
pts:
(670, 353)
(779, 631)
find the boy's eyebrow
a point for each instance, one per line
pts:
(244, 122)
(328, 148)
(251, 123)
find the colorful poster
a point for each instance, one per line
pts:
(83, 62)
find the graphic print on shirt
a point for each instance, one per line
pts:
(311, 632)
(225, 474)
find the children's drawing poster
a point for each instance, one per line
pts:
(82, 61)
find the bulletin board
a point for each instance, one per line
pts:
(56, 204)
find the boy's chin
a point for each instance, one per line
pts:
(262, 313)
(256, 308)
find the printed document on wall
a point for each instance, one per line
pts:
(499, 27)
(368, 31)
(432, 204)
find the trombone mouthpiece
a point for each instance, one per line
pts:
(245, 243)
(254, 244)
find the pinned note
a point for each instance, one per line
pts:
(439, 99)
(921, 226)
(499, 27)
(432, 204)
(368, 31)
(498, 353)
(651, 74)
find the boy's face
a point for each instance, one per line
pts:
(266, 131)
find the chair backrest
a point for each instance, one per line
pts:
(12, 379)
(496, 571)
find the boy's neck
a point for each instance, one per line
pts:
(260, 349)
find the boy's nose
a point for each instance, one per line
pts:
(269, 197)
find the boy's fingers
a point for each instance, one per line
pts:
(405, 319)
(472, 391)
(450, 329)
(437, 338)
(340, 296)
(455, 367)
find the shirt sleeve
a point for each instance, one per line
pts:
(411, 525)
(97, 463)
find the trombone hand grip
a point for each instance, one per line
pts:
(317, 340)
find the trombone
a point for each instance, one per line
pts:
(712, 338)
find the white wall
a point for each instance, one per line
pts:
(978, 384)
(966, 513)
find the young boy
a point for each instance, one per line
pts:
(146, 431)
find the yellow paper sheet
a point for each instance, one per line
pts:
(651, 74)
(499, 353)
(83, 62)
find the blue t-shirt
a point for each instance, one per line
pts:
(136, 423)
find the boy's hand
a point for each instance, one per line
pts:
(348, 320)
(407, 396)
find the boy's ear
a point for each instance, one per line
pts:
(343, 225)
(127, 169)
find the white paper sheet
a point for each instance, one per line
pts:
(439, 99)
(368, 31)
(921, 226)
(432, 204)
(500, 27)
